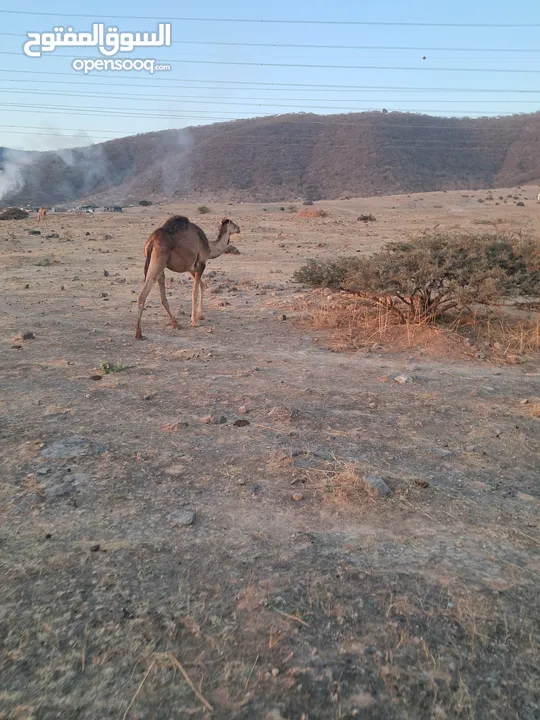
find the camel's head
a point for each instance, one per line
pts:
(229, 225)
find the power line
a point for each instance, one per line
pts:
(159, 114)
(241, 102)
(202, 100)
(293, 86)
(425, 68)
(338, 47)
(281, 21)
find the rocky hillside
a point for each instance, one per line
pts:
(283, 158)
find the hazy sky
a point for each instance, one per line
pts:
(466, 71)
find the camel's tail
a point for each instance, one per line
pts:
(148, 258)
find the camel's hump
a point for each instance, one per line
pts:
(176, 223)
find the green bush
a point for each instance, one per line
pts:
(203, 209)
(429, 275)
(145, 203)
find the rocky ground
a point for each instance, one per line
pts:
(187, 529)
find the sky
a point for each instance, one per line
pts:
(223, 67)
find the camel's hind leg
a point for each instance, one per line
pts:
(194, 294)
(200, 313)
(197, 294)
(164, 301)
(156, 267)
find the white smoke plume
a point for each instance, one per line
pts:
(12, 164)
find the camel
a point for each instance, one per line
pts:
(180, 246)
(42, 214)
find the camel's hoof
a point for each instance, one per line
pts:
(175, 326)
(193, 323)
(200, 317)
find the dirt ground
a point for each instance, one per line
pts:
(187, 537)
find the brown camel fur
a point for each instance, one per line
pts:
(180, 246)
(42, 214)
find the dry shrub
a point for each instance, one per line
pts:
(424, 278)
(312, 213)
(14, 213)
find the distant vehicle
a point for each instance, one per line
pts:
(113, 208)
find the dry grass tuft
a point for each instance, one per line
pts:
(347, 485)
(354, 323)
(312, 213)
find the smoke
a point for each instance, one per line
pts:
(13, 163)
(174, 147)
(86, 170)
(53, 174)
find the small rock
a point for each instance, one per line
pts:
(25, 335)
(105, 273)
(57, 491)
(241, 482)
(70, 448)
(175, 470)
(282, 414)
(96, 377)
(282, 317)
(524, 402)
(45, 470)
(528, 498)
(50, 236)
(104, 295)
(241, 423)
(275, 672)
(297, 497)
(402, 379)
(242, 410)
(377, 485)
(182, 517)
(16, 347)
(95, 548)
(421, 483)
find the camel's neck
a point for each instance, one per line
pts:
(218, 248)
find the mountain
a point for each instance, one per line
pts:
(284, 157)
